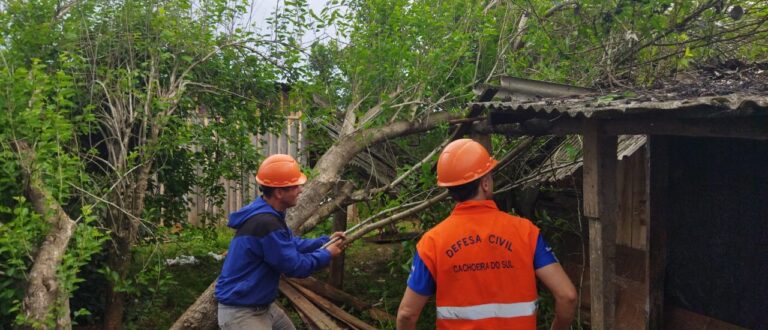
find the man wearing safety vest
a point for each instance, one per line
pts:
(264, 248)
(481, 263)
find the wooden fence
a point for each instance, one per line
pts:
(290, 141)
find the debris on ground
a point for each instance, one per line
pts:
(315, 301)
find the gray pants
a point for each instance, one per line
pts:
(237, 318)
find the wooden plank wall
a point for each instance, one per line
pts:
(290, 141)
(632, 222)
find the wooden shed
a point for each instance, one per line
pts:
(698, 162)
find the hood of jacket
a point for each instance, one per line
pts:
(237, 219)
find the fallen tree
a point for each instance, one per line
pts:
(312, 200)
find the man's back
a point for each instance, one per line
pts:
(481, 260)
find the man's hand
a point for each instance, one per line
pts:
(338, 246)
(340, 234)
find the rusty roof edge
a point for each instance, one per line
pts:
(586, 108)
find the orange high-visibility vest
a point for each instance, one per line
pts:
(482, 263)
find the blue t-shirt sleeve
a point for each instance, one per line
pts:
(543, 255)
(421, 279)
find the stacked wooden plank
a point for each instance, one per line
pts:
(315, 301)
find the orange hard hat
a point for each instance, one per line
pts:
(280, 171)
(463, 161)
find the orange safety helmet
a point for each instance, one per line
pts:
(463, 161)
(280, 171)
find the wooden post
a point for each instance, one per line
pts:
(337, 263)
(484, 139)
(657, 162)
(600, 209)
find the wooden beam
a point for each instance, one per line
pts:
(657, 164)
(332, 309)
(600, 209)
(338, 296)
(741, 127)
(733, 127)
(315, 315)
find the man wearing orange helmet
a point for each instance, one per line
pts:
(264, 248)
(481, 263)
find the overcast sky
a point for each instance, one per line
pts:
(262, 9)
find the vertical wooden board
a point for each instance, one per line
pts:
(302, 144)
(630, 176)
(589, 171)
(233, 194)
(239, 195)
(600, 208)
(293, 141)
(278, 143)
(225, 183)
(624, 186)
(657, 181)
(272, 144)
(620, 183)
(192, 215)
(637, 192)
(286, 141)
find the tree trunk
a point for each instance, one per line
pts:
(202, 315)
(333, 161)
(43, 292)
(119, 262)
(125, 228)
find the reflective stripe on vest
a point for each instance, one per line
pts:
(479, 312)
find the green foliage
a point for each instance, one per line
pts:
(159, 293)
(553, 229)
(21, 231)
(37, 105)
(635, 41)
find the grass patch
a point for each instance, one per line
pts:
(160, 292)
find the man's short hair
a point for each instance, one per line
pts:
(465, 191)
(267, 191)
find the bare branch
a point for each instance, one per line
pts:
(378, 224)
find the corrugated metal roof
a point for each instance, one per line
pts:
(612, 105)
(567, 159)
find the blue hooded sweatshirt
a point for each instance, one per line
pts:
(262, 249)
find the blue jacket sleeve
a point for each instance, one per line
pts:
(281, 253)
(310, 244)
